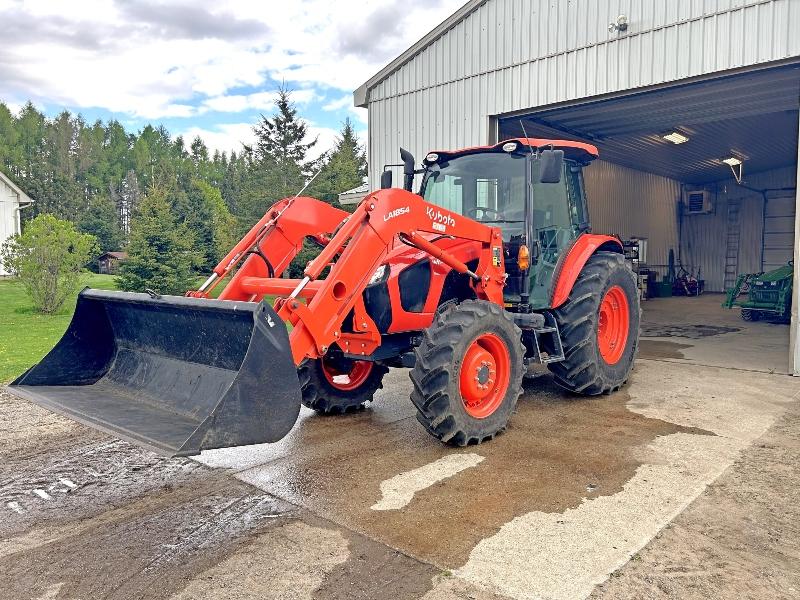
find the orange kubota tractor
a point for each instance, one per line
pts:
(489, 268)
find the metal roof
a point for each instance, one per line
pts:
(753, 116)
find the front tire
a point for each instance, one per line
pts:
(599, 326)
(332, 387)
(468, 373)
(750, 315)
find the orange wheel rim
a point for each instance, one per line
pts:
(613, 325)
(347, 381)
(484, 377)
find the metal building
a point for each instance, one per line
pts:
(723, 74)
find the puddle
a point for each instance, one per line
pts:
(661, 349)
(692, 332)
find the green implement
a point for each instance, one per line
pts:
(763, 295)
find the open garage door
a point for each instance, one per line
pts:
(706, 173)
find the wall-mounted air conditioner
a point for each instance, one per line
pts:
(697, 202)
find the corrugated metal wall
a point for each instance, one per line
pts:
(632, 203)
(510, 55)
(704, 236)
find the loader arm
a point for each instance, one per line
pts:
(269, 247)
(364, 241)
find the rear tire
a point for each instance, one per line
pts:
(468, 373)
(329, 391)
(599, 326)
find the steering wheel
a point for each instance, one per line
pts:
(472, 213)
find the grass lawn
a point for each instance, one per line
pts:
(25, 335)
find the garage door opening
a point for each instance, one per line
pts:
(700, 180)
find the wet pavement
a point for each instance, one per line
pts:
(615, 496)
(557, 449)
(573, 489)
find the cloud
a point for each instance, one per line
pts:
(14, 107)
(346, 103)
(258, 101)
(155, 60)
(225, 137)
(188, 20)
(343, 102)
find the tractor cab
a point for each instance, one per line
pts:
(531, 189)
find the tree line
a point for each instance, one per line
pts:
(177, 210)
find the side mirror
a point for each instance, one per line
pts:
(408, 169)
(551, 164)
(386, 180)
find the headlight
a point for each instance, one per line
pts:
(380, 274)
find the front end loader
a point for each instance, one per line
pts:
(491, 266)
(763, 296)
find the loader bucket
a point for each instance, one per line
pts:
(175, 375)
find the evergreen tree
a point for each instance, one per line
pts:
(279, 165)
(101, 219)
(161, 250)
(9, 143)
(95, 174)
(345, 167)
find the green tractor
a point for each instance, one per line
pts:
(763, 295)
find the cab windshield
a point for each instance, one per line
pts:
(488, 187)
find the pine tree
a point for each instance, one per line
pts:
(9, 147)
(161, 250)
(345, 167)
(278, 162)
(280, 140)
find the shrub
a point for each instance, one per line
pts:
(49, 258)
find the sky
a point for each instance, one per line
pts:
(201, 67)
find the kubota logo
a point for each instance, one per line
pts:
(397, 212)
(440, 221)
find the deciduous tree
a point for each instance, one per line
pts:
(49, 258)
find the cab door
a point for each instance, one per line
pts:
(556, 221)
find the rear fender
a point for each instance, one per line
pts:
(573, 262)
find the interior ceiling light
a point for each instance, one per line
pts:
(676, 137)
(737, 167)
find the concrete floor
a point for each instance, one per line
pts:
(699, 331)
(682, 484)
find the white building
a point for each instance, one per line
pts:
(12, 200)
(724, 74)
